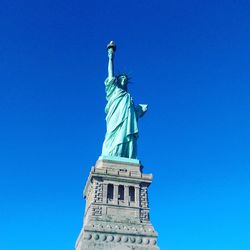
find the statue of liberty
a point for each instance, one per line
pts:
(121, 114)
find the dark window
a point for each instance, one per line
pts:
(110, 191)
(132, 194)
(121, 192)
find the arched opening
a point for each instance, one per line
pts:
(132, 194)
(110, 194)
(121, 193)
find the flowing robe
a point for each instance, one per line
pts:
(121, 121)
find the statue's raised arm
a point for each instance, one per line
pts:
(121, 114)
(111, 52)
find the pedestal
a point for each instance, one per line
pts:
(117, 212)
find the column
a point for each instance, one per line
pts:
(126, 195)
(137, 196)
(115, 194)
(105, 192)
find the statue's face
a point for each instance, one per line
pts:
(123, 81)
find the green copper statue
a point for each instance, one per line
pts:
(121, 114)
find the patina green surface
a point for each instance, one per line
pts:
(121, 114)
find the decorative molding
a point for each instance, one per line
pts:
(144, 215)
(96, 210)
(119, 238)
(98, 191)
(144, 197)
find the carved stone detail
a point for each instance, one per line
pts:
(144, 215)
(96, 210)
(136, 242)
(98, 192)
(144, 197)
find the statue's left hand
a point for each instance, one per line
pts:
(141, 109)
(144, 107)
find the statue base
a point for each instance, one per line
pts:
(117, 213)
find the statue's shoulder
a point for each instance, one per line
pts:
(110, 81)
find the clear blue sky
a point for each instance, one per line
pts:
(190, 61)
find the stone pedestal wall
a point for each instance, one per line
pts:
(117, 213)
